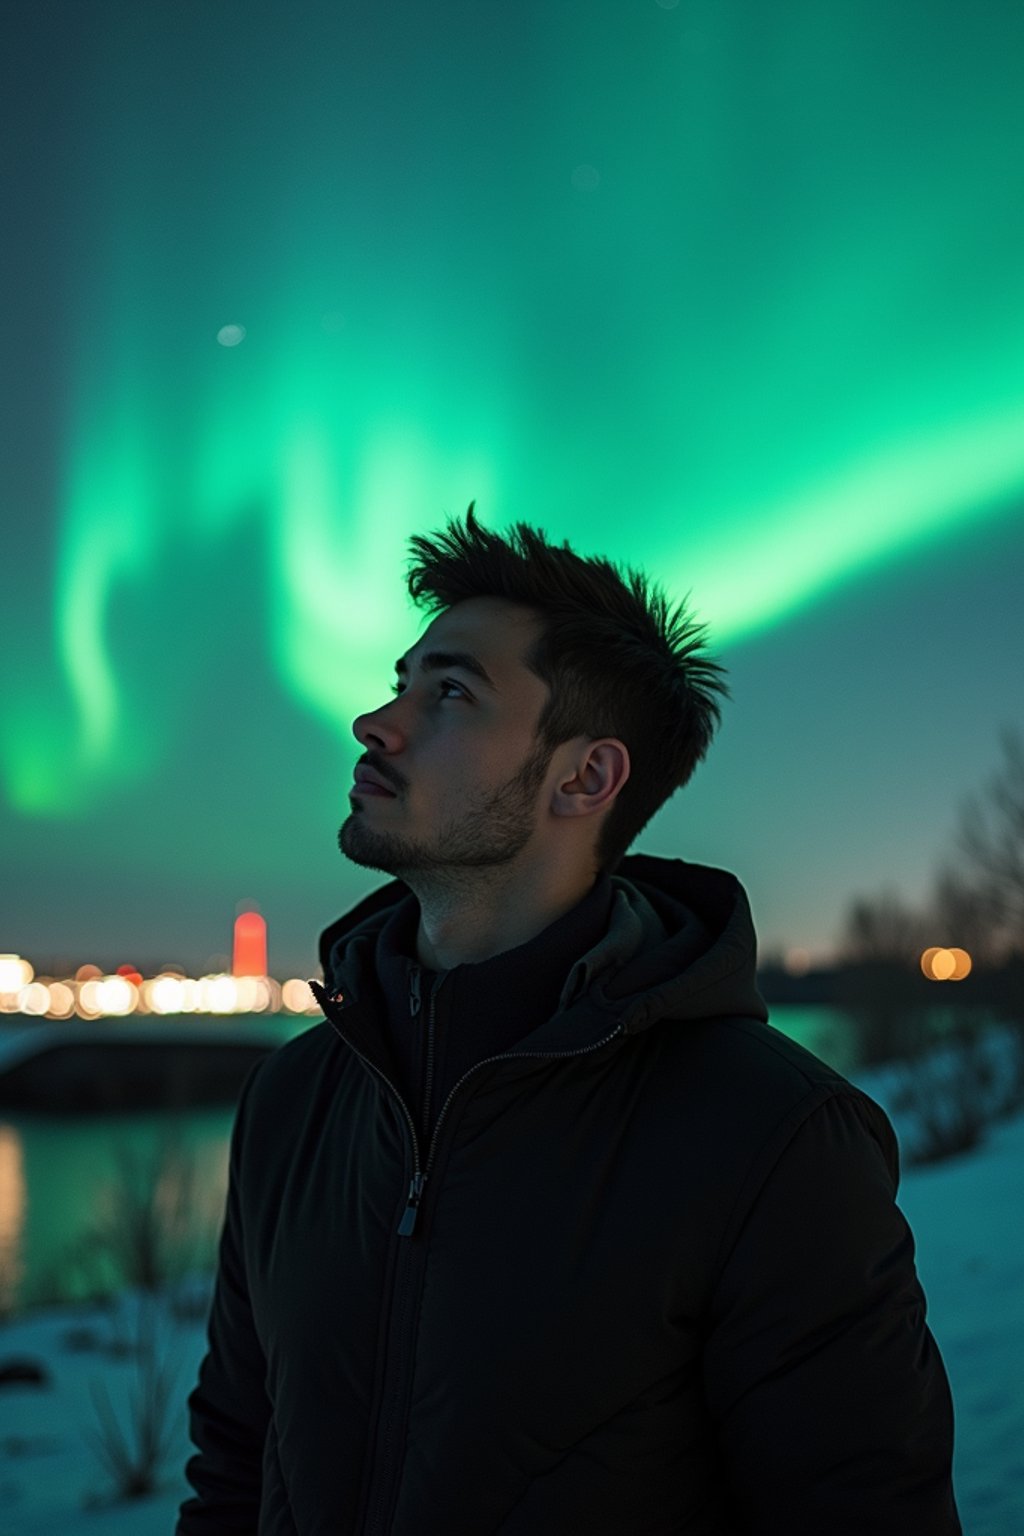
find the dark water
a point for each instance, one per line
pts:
(90, 1203)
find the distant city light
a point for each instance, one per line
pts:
(34, 999)
(13, 1199)
(116, 996)
(165, 994)
(15, 973)
(92, 995)
(218, 994)
(88, 1000)
(62, 1000)
(963, 964)
(296, 996)
(249, 956)
(941, 964)
(248, 994)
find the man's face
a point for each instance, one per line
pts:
(456, 748)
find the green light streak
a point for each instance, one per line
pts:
(37, 778)
(338, 602)
(108, 537)
(775, 344)
(903, 495)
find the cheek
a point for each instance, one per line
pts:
(460, 778)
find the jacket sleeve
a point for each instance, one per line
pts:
(829, 1395)
(229, 1408)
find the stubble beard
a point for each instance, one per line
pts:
(490, 832)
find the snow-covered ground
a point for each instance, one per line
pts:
(967, 1215)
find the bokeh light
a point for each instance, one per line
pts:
(217, 994)
(165, 994)
(297, 998)
(116, 996)
(945, 964)
(34, 999)
(15, 973)
(249, 957)
(62, 1000)
(88, 1002)
(962, 964)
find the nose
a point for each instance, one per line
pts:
(379, 728)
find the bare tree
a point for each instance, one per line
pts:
(992, 842)
(883, 929)
(880, 982)
(962, 915)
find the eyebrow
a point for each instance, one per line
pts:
(439, 661)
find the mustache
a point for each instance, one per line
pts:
(383, 771)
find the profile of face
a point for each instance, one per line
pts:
(463, 776)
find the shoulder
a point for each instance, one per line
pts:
(287, 1072)
(745, 1090)
(752, 1063)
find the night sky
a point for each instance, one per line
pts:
(728, 291)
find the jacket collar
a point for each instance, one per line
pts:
(679, 945)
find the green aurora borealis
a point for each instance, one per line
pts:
(732, 292)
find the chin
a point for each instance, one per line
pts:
(367, 848)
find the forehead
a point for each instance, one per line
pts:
(497, 632)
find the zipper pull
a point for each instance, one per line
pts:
(414, 991)
(407, 1224)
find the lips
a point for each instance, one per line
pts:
(367, 783)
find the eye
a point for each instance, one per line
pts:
(445, 683)
(449, 682)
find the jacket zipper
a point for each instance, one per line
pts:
(383, 1410)
(408, 1223)
(410, 1122)
(387, 1479)
(383, 1482)
(414, 1008)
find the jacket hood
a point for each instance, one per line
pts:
(680, 945)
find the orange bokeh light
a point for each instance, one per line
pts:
(963, 964)
(250, 948)
(941, 964)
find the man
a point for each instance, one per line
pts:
(545, 1231)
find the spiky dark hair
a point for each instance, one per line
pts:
(618, 658)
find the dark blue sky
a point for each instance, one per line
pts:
(733, 296)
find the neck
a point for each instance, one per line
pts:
(469, 915)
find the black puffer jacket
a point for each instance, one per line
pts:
(656, 1281)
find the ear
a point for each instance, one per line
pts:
(593, 779)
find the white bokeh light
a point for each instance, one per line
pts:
(15, 973)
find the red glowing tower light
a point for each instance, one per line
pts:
(250, 949)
